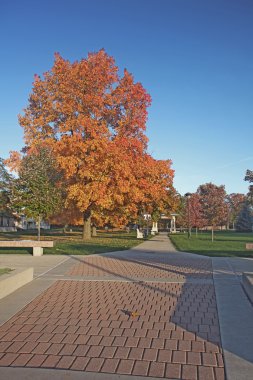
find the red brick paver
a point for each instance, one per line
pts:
(174, 334)
(137, 266)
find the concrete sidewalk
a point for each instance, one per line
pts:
(147, 312)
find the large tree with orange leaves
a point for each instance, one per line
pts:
(94, 122)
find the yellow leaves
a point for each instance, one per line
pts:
(14, 161)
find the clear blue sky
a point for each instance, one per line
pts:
(194, 57)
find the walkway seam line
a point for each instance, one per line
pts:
(42, 274)
(233, 271)
(136, 281)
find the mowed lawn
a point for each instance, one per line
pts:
(71, 243)
(226, 243)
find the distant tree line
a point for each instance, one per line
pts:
(212, 207)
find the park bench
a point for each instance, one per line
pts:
(37, 245)
(139, 234)
(249, 245)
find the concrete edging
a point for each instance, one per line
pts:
(235, 319)
(12, 281)
(247, 282)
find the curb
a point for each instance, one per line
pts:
(247, 283)
(14, 280)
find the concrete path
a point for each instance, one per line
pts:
(150, 312)
(235, 316)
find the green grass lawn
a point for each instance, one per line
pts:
(226, 243)
(5, 271)
(71, 243)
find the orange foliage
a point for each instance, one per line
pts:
(70, 215)
(13, 162)
(95, 123)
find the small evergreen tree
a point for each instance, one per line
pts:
(244, 220)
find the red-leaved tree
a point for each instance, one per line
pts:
(212, 198)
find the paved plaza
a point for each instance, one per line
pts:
(147, 312)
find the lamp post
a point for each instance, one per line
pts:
(147, 217)
(188, 196)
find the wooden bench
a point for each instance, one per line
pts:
(37, 245)
(249, 245)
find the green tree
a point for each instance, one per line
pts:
(249, 178)
(36, 191)
(235, 203)
(250, 195)
(5, 185)
(244, 220)
(249, 175)
(181, 209)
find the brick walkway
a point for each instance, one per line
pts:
(167, 327)
(143, 266)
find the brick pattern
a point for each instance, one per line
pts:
(87, 326)
(141, 266)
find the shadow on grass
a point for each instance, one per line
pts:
(68, 248)
(235, 240)
(225, 244)
(19, 251)
(115, 237)
(72, 243)
(83, 249)
(213, 253)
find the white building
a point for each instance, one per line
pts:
(7, 222)
(25, 223)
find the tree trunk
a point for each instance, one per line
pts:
(86, 225)
(196, 231)
(39, 228)
(212, 234)
(94, 231)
